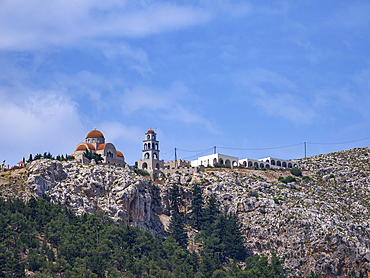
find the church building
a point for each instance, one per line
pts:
(95, 142)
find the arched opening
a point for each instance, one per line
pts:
(221, 161)
(145, 146)
(256, 164)
(148, 145)
(147, 137)
(295, 166)
(153, 137)
(146, 155)
(145, 165)
(250, 164)
(268, 161)
(227, 162)
(157, 166)
(155, 156)
(272, 162)
(234, 163)
(156, 146)
(261, 165)
(109, 154)
(214, 161)
(267, 166)
(289, 165)
(278, 163)
(245, 163)
(284, 164)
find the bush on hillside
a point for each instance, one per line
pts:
(296, 172)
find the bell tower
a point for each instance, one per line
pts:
(150, 153)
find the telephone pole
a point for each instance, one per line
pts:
(175, 159)
(305, 150)
(214, 150)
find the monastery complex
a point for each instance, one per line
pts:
(96, 147)
(150, 161)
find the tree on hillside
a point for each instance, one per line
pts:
(196, 214)
(176, 227)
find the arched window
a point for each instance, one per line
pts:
(221, 161)
(256, 164)
(155, 156)
(109, 154)
(148, 137)
(284, 164)
(146, 155)
(157, 166)
(267, 166)
(153, 136)
(214, 161)
(148, 145)
(278, 163)
(245, 163)
(272, 162)
(227, 162)
(145, 166)
(156, 146)
(145, 146)
(289, 165)
(261, 165)
(250, 164)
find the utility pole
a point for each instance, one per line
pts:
(175, 159)
(214, 150)
(305, 150)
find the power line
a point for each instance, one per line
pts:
(261, 149)
(339, 143)
(195, 151)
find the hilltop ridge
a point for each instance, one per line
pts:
(318, 224)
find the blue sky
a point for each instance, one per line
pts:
(232, 74)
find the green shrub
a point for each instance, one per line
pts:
(306, 178)
(296, 172)
(331, 176)
(142, 172)
(289, 179)
(253, 194)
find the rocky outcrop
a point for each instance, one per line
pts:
(318, 225)
(117, 192)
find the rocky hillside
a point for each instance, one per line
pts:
(318, 225)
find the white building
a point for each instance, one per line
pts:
(214, 159)
(268, 162)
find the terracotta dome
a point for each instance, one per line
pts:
(150, 131)
(101, 147)
(21, 162)
(119, 154)
(95, 134)
(83, 147)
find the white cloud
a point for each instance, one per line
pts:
(171, 104)
(276, 95)
(43, 121)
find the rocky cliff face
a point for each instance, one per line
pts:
(319, 225)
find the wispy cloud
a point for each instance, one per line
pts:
(171, 104)
(276, 95)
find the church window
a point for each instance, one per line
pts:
(153, 137)
(155, 156)
(145, 146)
(148, 137)
(157, 166)
(156, 146)
(148, 145)
(110, 154)
(146, 155)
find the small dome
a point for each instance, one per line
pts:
(150, 131)
(119, 154)
(21, 162)
(101, 146)
(83, 147)
(95, 134)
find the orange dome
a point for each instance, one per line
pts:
(119, 154)
(21, 162)
(83, 147)
(95, 134)
(101, 147)
(150, 131)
